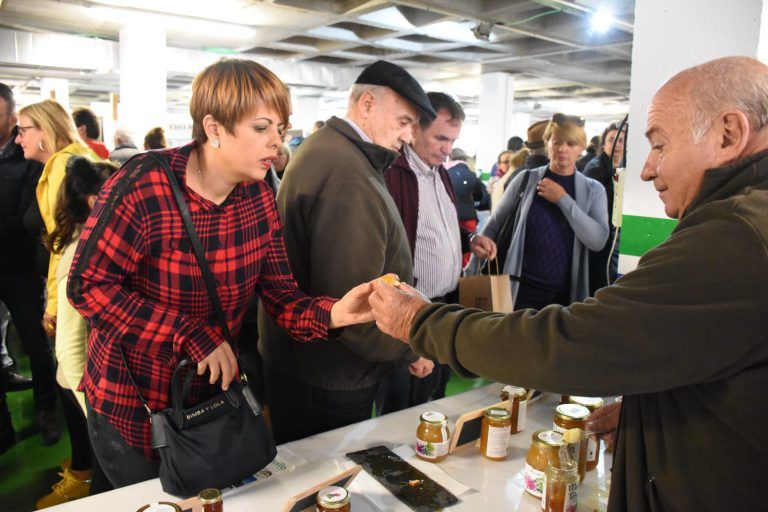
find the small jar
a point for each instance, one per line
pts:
(211, 500)
(543, 449)
(432, 437)
(333, 498)
(494, 433)
(518, 398)
(569, 416)
(561, 492)
(160, 506)
(565, 399)
(593, 443)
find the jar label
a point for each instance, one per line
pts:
(591, 450)
(522, 410)
(534, 480)
(430, 450)
(498, 442)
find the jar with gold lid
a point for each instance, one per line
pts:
(432, 437)
(211, 500)
(518, 399)
(494, 433)
(570, 416)
(333, 499)
(544, 447)
(593, 443)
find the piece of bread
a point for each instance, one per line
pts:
(390, 279)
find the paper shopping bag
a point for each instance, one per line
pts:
(486, 292)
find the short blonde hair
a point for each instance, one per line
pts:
(56, 124)
(231, 89)
(568, 131)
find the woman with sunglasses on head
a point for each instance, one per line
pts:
(136, 280)
(561, 215)
(47, 134)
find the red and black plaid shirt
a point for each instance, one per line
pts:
(137, 282)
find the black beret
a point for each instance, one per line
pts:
(399, 80)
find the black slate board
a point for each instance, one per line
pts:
(394, 473)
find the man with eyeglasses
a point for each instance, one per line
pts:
(21, 287)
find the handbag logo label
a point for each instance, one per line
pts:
(203, 410)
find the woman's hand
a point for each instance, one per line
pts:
(222, 362)
(49, 325)
(483, 247)
(353, 308)
(550, 190)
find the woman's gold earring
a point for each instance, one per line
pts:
(40, 145)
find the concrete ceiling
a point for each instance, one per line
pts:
(547, 45)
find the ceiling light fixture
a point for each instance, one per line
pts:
(602, 20)
(173, 22)
(482, 30)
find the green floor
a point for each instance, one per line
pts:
(28, 469)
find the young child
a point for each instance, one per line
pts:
(77, 194)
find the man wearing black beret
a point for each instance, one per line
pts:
(343, 228)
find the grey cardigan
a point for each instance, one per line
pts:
(587, 215)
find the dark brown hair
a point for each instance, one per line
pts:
(83, 178)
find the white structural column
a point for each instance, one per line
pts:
(669, 37)
(55, 89)
(142, 78)
(497, 122)
(305, 112)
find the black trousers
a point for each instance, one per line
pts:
(298, 410)
(401, 390)
(22, 293)
(78, 430)
(121, 463)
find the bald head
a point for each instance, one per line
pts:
(702, 118)
(711, 88)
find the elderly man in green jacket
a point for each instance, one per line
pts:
(684, 337)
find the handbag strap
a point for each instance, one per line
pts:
(210, 284)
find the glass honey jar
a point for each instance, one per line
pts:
(570, 416)
(494, 433)
(518, 399)
(593, 443)
(333, 499)
(211, 500)
(561, 490)
(544, 447)
(432, 437)
(160, 506)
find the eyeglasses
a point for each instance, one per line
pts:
(564, 119)
(23, 129)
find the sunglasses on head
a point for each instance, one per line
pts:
(564, 119)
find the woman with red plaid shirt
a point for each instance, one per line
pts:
(136, 280)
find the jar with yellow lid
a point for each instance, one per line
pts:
(544, 447)
(518, 399)
(333, 499)
(160, 506)
(494, 433)
(561, 490)
(432, 437)
(593, 443)
(211, 500)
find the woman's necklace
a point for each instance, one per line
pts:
(200, 176)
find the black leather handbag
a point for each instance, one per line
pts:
(222, 440)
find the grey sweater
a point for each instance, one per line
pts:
(586, 215)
